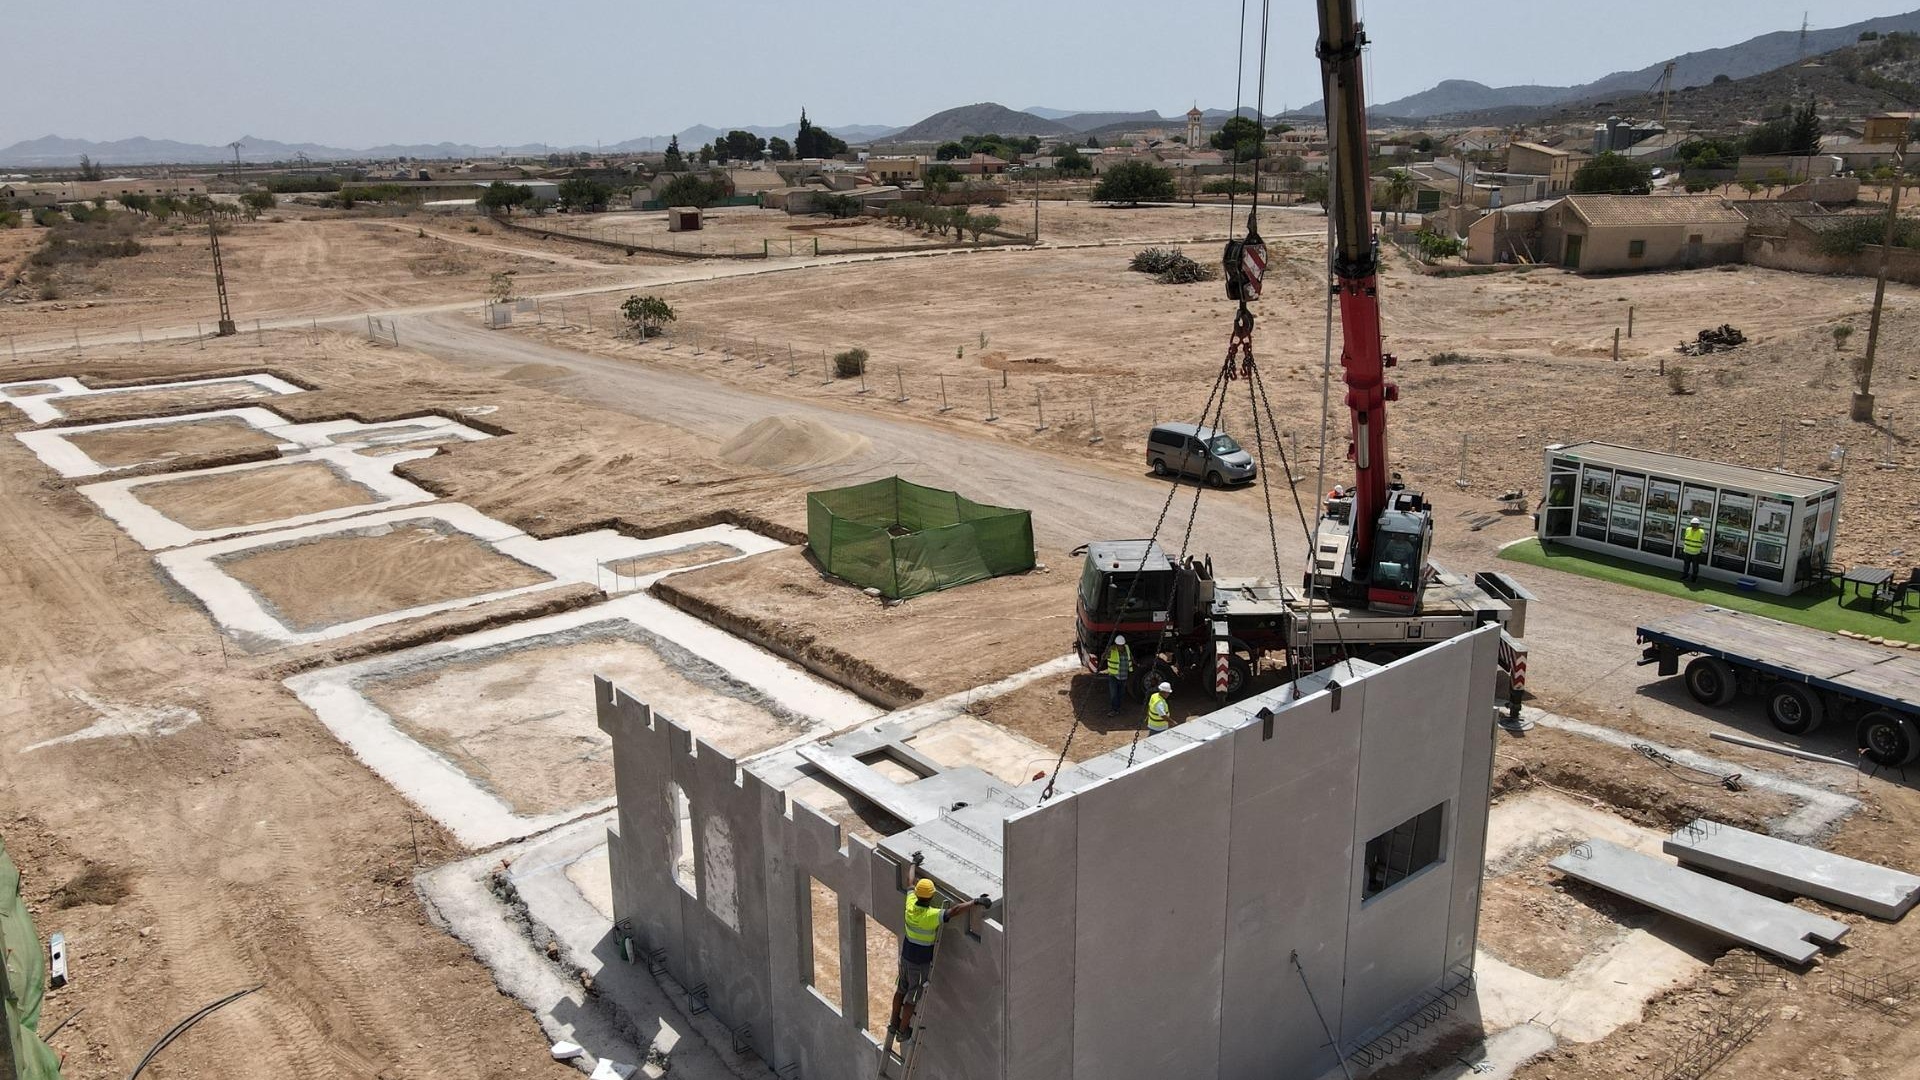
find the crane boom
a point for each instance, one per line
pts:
(1378, 565)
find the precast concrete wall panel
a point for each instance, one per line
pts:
(1469, 854)
(1292, 837)
(1150, 935)
(1042, 867)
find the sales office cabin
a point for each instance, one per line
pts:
(1770, 530)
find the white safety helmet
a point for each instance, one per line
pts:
(1119, 639)
(1166, 688)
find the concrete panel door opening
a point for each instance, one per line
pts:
(1410, 847)
(681, 839)
(823, 925)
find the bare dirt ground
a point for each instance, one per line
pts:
(326, 580)
(117, 447)
(252, 496)
(312, 263)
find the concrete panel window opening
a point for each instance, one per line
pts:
(823, 924)
(680, 837)
(1411, 846)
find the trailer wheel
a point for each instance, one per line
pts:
(1710, 681)
(1887, 739)
(1795, 709)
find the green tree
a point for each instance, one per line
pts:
(1134, 182)
(501, 197)
(1241, 135)
(1072, 162)
(256, 202)
(1611, 173)
(647, 315)
(813, 142)
(692, 189)
(1399, 190)
(580, 193)
(779, 149)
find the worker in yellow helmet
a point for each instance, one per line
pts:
(924, 918)
(1159, 715)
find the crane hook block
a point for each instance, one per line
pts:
(1245, 267)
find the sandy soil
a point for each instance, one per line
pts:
(932, 645)
(252, 496)
(117, 447)
(327, 580)
(312, 263)
(522, 722)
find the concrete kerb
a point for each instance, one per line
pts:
(1817, 814)
(473, 813)
(151, 529)
(41, 408)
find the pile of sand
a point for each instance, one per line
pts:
(791, 442)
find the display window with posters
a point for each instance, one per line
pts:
(1660, 528)
(1732, 532)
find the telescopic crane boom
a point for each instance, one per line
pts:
(1375, 539)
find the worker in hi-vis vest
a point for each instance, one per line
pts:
(923, 921)
(1158, 715)
(1118, 666)
(1693, 545)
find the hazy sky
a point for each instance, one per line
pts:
(357, 73)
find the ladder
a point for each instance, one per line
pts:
(904, 1054)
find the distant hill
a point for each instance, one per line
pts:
(981, 119)
(1755, 56)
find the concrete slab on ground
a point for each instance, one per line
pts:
(1797, 868)
(1733, 912)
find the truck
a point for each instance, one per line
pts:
(1369, 591)
(1806, 677)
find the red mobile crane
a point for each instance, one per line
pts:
(1370, 591)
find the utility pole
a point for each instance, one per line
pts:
(225, 329)
(1862, 409)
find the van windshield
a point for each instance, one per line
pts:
(1222, 445)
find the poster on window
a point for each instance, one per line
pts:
(1660, 527)
(1770, 520)
(1596, 491)
(1732, 530)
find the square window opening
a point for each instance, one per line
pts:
(823, 922)
(1405, 850)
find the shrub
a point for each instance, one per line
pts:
(1154, 260)
(850, 364)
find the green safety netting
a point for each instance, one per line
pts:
(24, 986)
(904, 539)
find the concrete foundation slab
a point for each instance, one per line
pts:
(130, 502)
(1797, 868)
(42, 406)
(525, 752)
(92, 449)
(1728, 910)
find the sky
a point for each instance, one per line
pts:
(356, 73)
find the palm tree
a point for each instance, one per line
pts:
(1399, 187)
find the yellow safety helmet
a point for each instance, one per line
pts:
(923, 888)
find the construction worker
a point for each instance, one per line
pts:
(1119, 666)
(1159, 716)
(924, 919)
(1693, 544)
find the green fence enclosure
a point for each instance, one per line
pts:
(24, 986)
(904, 539)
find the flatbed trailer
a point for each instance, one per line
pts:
(1806, 676)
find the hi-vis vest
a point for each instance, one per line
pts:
(923, 922)
(1117, 660)
(1693, 540)
(1157, 712)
